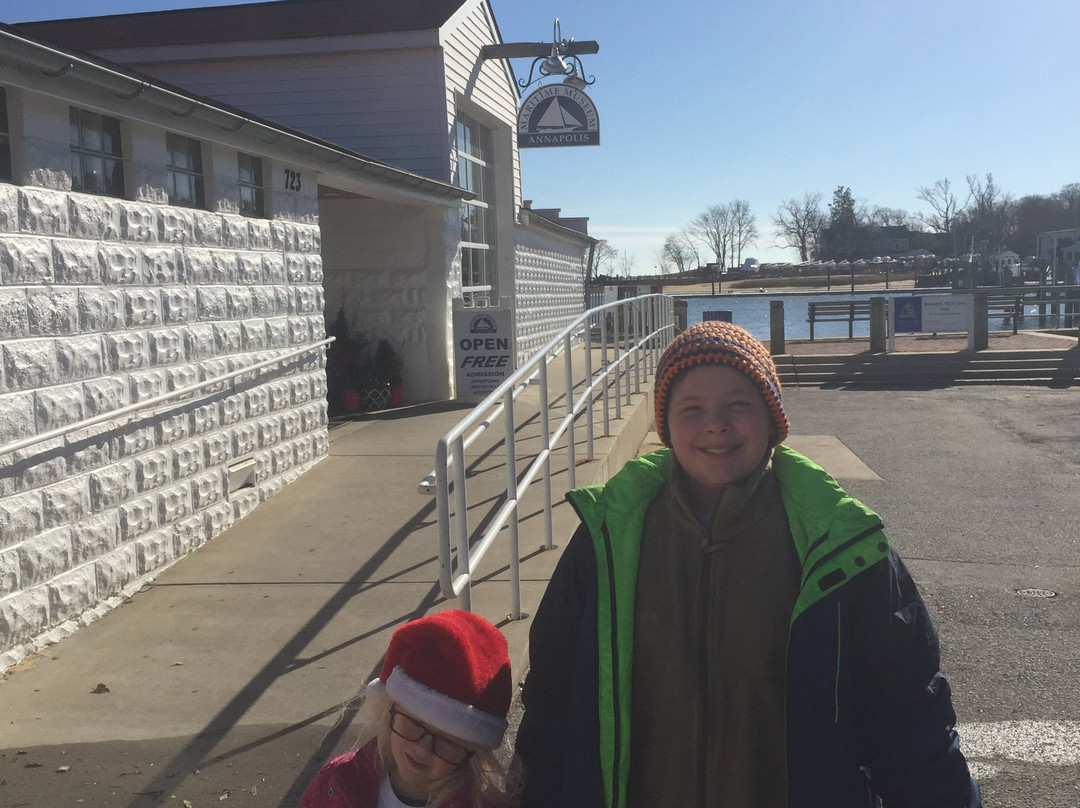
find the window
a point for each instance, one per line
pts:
(183, 173)
(472, 143)
(251, 185)
(97, 162)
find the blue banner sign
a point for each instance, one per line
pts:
(908, 315)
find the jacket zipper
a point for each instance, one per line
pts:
(703, 671)
(616, 712)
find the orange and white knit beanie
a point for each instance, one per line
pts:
(715, 342)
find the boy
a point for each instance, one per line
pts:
(729, 628)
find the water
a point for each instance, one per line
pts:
(751, 311)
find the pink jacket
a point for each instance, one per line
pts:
(352, 781)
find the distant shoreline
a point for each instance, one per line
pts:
(731, 290)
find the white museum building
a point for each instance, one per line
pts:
(187, 199)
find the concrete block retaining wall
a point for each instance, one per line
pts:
(107, 302)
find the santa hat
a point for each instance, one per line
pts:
(715, 342)
(451, 671)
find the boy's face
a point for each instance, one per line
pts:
(719, 426)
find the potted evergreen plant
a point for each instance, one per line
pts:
(349, 365)
(338, 363)
(390, 368)
(358, 378)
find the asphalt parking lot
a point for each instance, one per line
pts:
(980, 493)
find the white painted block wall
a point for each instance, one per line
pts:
(549, 290)
(105, 302)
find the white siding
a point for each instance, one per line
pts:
(486, 84)
(482, 89)
(386, 104)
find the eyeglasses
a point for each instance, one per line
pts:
(407, 727)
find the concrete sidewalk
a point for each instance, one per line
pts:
(224, 678)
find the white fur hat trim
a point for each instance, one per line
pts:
(441, 712)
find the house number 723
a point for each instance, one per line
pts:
(292, 180)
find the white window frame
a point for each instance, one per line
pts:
(474, 171)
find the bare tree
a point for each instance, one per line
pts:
(943, 206)
(1069, 199)
(690, 248)
(744, 230)
(626, 264)
(713, 228)
(679, 251)
(663, 262)
(798, 222)
(888, 217)
(989, 210)
(604, 258)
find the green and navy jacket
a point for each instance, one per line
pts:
(869, 715)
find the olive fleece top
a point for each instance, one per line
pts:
(710, 643)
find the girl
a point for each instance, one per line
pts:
(431, 723)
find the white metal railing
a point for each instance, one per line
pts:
(626, 337)
(146, 404)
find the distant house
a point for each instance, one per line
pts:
(938, 244)
(891, 240)
(1005, 264)
(1061, 250)
(865, 242)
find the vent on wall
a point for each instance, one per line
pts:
(241, 475)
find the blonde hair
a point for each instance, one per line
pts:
(490, 783)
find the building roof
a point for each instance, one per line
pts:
(283, 19)
(576, 227)
(54, 60)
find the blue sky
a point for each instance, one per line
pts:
(703, 102)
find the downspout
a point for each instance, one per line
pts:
(589, 271)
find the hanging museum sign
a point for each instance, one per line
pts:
(558, 115)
